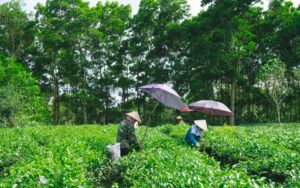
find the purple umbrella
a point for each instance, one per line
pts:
(165, 95)
(211, 107)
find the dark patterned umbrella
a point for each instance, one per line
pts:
(211, 107)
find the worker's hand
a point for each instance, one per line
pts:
(136, 124)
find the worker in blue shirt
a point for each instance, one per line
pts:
(194, 133)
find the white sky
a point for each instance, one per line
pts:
(195, 4)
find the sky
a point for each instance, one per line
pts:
(195, 4)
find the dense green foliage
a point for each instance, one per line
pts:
(21, 102)
(91, 60)
(77, 64)
(267, 151)
(246, 156)
(272, 79)
(166, 162)
(55, 156)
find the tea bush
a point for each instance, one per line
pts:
(61, 156)
(166, 162)
(269, 151)
(74, 156)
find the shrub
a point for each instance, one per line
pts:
(165, 162)
(21, 102)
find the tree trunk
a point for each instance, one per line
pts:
(278, 112)
(56, 102)
(251, 106)
(106, 107)
(232, 101)
(85, 119)
(237, 106)
(84, 84)
(123, 100)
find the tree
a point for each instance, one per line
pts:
(109, 62)
(277, 33)
(16, 30)
(91, 61)
(51, 46)
(272, 79)
(21, 102)
(60, 42)
(150, 43)
(221, 43)
(79, 22)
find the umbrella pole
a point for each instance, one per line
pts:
(147, 125)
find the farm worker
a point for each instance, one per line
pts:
(180, 120)
(126, 133)
(194, 133)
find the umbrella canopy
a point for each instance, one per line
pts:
(165, 95)
(211, 107)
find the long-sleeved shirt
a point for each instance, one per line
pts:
(191, 138)
(126, 135)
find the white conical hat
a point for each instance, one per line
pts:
(201, 124)
(179, 117)
(134, 115)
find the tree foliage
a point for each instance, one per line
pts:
(272, 79)
(21, 102)
(91, 60)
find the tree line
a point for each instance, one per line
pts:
(89, 61)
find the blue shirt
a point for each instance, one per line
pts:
(191, 138)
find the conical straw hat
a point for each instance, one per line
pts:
(134, 115)
(179, 117)
(201, 124)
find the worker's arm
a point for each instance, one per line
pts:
(132, 138)
(201, 134)
(192, 138)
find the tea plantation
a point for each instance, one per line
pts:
(74, 156)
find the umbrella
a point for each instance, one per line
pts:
(165, 95)
(211, 107)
